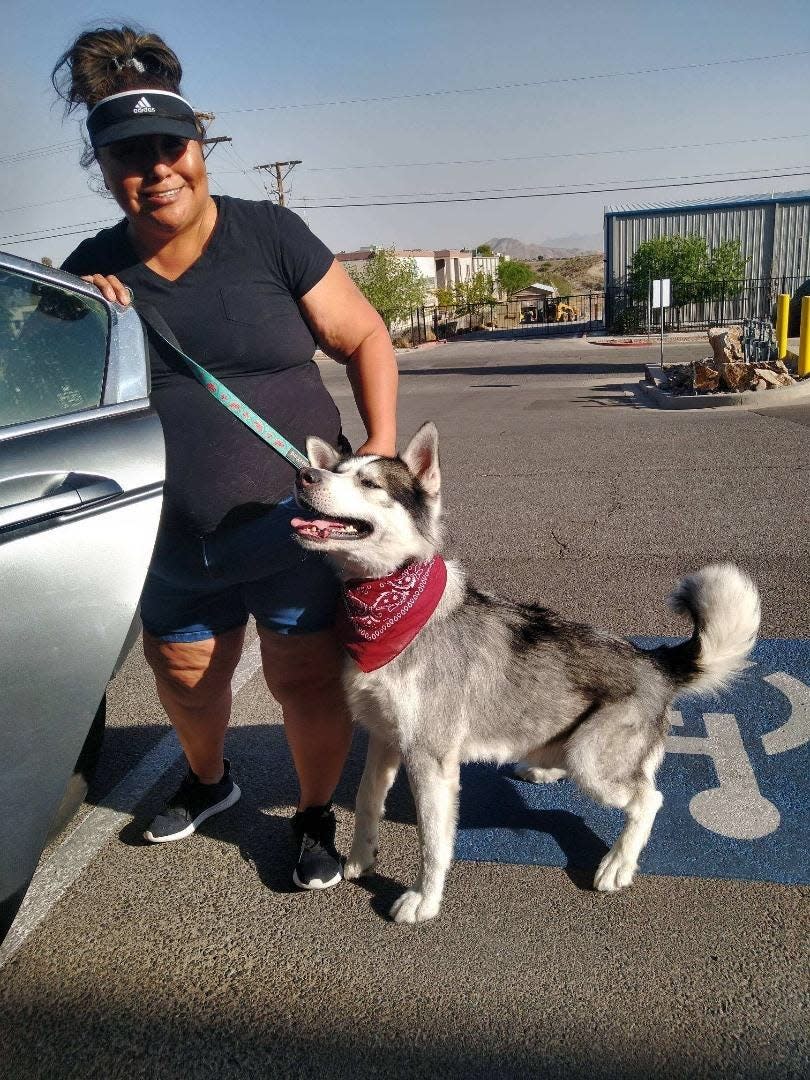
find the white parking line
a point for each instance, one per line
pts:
(70, 859)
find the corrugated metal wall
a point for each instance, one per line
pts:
(774, 236)
(791, 248)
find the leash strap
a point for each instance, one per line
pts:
(274, 439)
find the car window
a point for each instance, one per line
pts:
(53, 349)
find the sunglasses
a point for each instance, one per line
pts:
(148, 147)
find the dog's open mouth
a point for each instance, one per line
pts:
(331, 528)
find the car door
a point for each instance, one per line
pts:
(81, 478)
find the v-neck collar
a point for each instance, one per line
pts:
(199, 261)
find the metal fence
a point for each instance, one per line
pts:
(697, 305)
(555, 316)
(619, 310)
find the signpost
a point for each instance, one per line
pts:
(661, 299)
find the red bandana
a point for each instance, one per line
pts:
(381, 616)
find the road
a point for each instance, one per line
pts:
(198, 959)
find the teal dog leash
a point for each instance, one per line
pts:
(223, 395)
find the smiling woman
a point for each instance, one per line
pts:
(247, 291)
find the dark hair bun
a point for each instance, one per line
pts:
(109, 61)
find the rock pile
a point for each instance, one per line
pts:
(726, 370)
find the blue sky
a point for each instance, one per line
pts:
(245, 60)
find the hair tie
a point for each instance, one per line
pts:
(130, 61)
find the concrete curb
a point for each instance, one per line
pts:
(687, 338)
(748, 399)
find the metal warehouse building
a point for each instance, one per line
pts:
(773, 231)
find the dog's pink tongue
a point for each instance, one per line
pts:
(318, 523)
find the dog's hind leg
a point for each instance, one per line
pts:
(617, 869)
(380, 772)
(435, 785)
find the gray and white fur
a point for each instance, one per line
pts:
(492, 680)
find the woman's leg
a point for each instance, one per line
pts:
(194, 686)
(303, 675)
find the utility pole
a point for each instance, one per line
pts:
(213, 142)
(276, 167)
(207, 117)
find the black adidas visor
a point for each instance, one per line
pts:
(140, 112)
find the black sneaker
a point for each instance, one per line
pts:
(319, 865)
(192, 804)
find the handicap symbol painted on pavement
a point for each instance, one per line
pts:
(734, 781)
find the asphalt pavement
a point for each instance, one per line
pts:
(198, 959)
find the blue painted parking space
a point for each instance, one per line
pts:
(734, 781)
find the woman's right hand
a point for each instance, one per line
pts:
(110, 287)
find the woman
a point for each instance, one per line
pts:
(247, 290)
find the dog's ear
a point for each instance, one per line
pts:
(321, 455)
(421, 455)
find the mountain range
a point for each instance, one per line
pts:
(558, 247)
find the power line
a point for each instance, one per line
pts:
(556, 194)
(516, 85)
(731, 173)
(51, 202)
(548, 157)
(73, 225)
(243, 169)
(40, 151)
(58, 148)
(79, 229)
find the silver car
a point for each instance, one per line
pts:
(81, 482)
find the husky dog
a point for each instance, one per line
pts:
(486, 679)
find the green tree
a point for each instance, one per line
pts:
(696, 273)
(478, 290)
(726, 267)
(514, 276)
(483, 249)
(391, 284)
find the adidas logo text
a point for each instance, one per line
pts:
(142, 106)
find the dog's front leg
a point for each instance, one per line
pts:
(435, 785)
(382, 764)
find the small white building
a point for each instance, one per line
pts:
(455, 267)
(425, 261)
(442, 269)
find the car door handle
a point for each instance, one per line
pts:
(62, 502)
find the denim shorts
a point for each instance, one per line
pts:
(198, 587)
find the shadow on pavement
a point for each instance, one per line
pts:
(263, 769)
(540, 368)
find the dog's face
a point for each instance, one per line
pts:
(371, 514)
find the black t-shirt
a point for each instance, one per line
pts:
(234, 311)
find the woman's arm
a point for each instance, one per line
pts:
(350, 331)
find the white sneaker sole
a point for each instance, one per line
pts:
(316, 883)
(217, 808)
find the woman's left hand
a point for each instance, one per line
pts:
(377, 446)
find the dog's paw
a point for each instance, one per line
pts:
(361, 860)
(615, 872)
(353, 869)
(535, 775)
(413, 907)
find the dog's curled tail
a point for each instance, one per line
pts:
(723, 603)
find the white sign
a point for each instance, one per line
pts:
(660, 296)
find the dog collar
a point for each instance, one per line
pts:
(380, 617)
